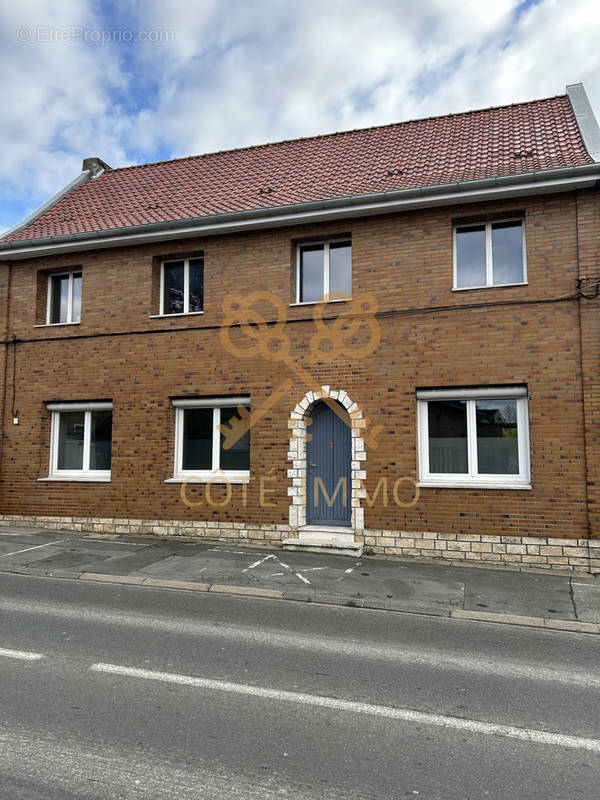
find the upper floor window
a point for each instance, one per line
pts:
(202, 449)
(64, 298)
(80, 444)
(323, 268)
(182, 286)
(489, 254)
(476, 437)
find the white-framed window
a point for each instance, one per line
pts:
(202, 452)
(474, 437)
(489, 254)
(182, 286)
(323, 268)
(64, 298)
(80, 441)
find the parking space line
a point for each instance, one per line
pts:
(27, 549)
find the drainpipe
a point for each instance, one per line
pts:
(6, 312)
(583, 390)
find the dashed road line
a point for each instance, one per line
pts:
(23, 655)
(389, 712)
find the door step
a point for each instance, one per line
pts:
(324, 539)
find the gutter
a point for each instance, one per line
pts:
(542, 182)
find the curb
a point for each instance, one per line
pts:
(528, 622)
(572, 626)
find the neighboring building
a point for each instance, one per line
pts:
(463, 396)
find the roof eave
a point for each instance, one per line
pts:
(92, 168)
(540, 182)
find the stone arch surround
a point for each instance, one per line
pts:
(297, 455)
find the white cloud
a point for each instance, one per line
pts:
(243, 73)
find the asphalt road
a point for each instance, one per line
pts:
(132, 692)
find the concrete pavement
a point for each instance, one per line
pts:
(538, 599)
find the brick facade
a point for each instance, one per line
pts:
(539, 335)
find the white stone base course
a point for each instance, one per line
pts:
(580, 555)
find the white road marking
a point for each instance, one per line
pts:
(23, 655)
(276, 574)
(256, 563)
(503, 668)
(27, 549)
(389, 712)
(299, 575)
(349, 570)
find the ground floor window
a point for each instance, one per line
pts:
(212, 438)
(474, 437)
(81, 440)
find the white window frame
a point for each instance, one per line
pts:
(186, 286)
(489, 257)
(215, 474)
(325, 243)
(85, 474)
(51, 277)
(473, 479)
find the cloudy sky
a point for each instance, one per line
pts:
(144, 80)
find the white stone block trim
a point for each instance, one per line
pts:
(298, 417)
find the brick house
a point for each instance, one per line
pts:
(397, 329)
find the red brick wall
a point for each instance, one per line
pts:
(588, 218)
(406, 261)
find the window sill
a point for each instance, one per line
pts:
(322, 302)
(78, 479)
(488, 286)
(181, 314)
(427, 484)
(55, 324)
(220, 478)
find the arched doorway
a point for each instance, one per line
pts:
(328, 462)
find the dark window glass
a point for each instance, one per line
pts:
(497, 442)
(507, 252)
(76, 310)
(311, 273)
(197, 438)
(470, 256)
(238, 455)
(340, 267)
(196, 284)
(59, 298)
(173, 286)
(71, 426)
(448, 436)
(100, 439)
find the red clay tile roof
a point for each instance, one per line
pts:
(539, 135)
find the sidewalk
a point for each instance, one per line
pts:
(540, 599)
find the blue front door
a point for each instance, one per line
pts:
(329, 485)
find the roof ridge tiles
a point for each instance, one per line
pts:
(331, 134)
